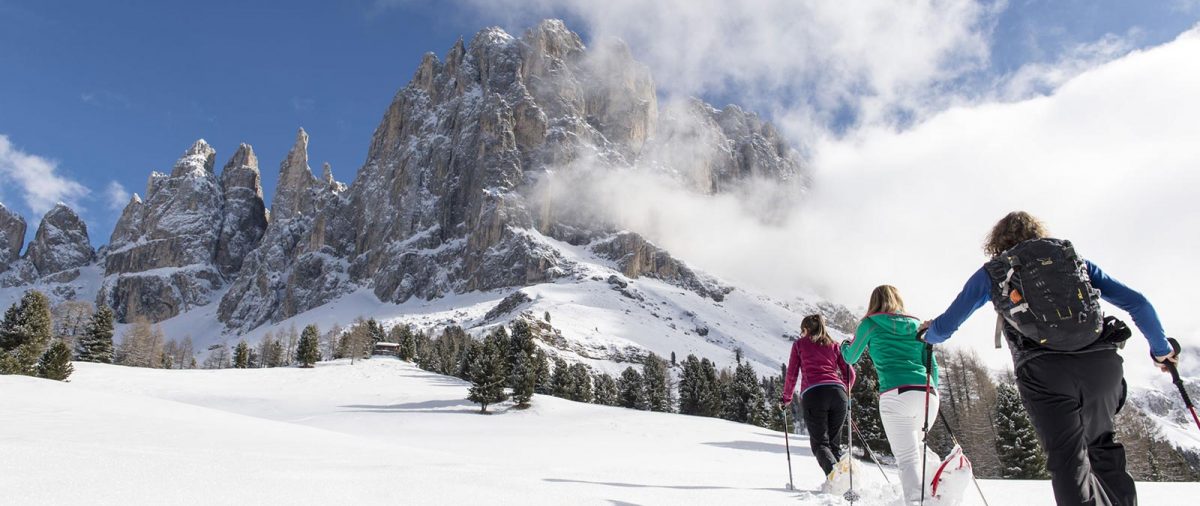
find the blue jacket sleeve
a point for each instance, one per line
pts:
(973, 296)
(1134, 303)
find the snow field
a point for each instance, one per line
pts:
(383, 432)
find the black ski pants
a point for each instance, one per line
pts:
(825, 414)
(1072, 400)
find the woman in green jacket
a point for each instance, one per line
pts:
(890, 336)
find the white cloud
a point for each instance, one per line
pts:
(36, 178)
(1039, 78)
(1108, 160)
(813, 58)
(117, 195)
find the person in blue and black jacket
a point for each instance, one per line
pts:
(1064, 353)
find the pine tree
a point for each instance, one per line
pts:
(865, 408)
(241, 355)
(55, 364)
(1021, 456)
(376, 333)
(522, 360)
(25, 334)
(630, 390)
(487, 375)
(691, 387)
(656, 384)
(773, 387)
(710, 401)
(403, 335)
(562, 383)
(581, 380)
(523, 379)
(308, 352)
(96, 344)
(605, 388)
(541, 368)
(747, 402)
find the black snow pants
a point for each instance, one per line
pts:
(825, 415)
(1072, 400)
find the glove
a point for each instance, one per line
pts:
(1173, 357)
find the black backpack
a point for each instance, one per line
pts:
(1042, 291)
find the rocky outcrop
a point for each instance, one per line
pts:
(12, 237)
(442, 204)
(300, 262)
(171, 251)
(636, 257)
(61, 244)
(244, 215)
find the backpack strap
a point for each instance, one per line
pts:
(999, 329)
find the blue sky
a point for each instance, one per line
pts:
(109, 91)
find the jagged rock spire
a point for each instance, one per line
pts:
(293, 195)
(12, 237)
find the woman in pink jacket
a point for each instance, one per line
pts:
(824, 386)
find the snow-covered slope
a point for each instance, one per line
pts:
(384, 432)
(602, 317)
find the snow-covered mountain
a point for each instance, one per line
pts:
(469, 210)
(472, 192)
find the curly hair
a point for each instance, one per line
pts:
(1013, 229)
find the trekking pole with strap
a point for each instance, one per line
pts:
(954, 439)
(1187, 399)
(925, 428)
(787, 428)
(850, 495)
(869, 452)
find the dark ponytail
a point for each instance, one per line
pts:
(813, 326)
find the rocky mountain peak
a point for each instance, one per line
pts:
(327, 173)
(12, 236)
(198, 159)
(243, 213)
(61, 242)
(293, 193)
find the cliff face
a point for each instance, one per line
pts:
(12, 237)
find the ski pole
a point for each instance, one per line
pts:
(870, 453)
(925, 428)
(850, 495)
(1187, 399)
(787, 428)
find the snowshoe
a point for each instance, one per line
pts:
(838, 481)
(949, 479)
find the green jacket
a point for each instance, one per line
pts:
(899, 357)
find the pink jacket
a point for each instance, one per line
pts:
(821, 365)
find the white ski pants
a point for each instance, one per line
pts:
(903, 417)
